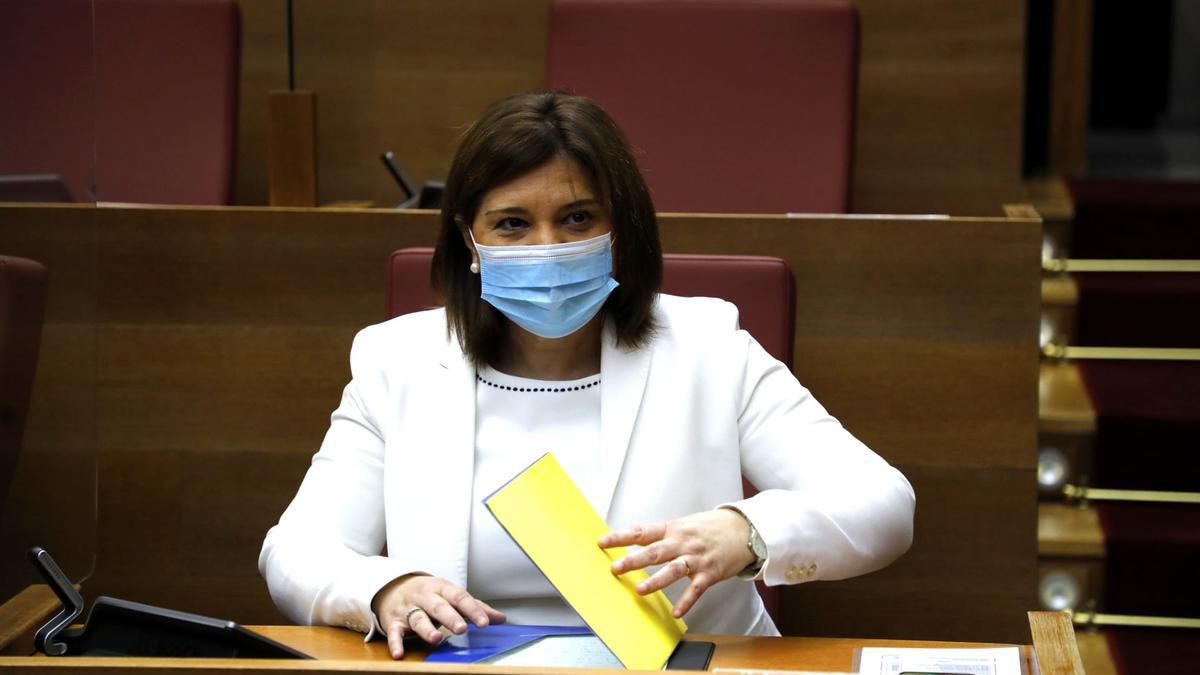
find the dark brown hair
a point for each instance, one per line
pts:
(517, 135)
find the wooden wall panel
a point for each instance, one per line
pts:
(405, 76)
(264, 68)
(52, 502)
(221, 347)
(940, 93)
(1070, 87)
(940, 106)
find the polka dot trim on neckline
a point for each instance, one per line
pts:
(534, 390)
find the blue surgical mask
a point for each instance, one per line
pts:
(550, 290)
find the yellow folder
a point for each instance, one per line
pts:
(548, 517)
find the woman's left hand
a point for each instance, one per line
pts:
(708, 547)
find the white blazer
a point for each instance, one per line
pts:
(682, 419)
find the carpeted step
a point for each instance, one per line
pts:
(1147, 424)
(1123, 219)
(1152, 553)
(1154, 651)
(1137, 310)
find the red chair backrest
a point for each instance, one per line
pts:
(732, 106)
(408, 287)
(22, 306)
(143, 107)
(166, 100)
(763, 289)
(47, 120)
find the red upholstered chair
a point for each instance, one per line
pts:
(136, 98)
(47, 119)
(166, 100)
(732, 105)
(408, 287)
(763, 289)
(22, 305)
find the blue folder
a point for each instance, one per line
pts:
(478, 644)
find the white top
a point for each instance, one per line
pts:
(517, 420)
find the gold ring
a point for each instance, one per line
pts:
(687, 569)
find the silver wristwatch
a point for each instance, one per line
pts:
(759, 548)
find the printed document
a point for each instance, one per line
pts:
(965, 661)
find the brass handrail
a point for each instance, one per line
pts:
(1070, 352)
(1085, 618)
(1109, 495)
(1060, 265)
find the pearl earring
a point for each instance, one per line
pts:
(474, 267)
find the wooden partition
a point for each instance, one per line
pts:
(222, 338)
(940, 93)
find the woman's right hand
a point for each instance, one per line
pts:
(419, 603)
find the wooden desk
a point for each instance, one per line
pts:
(793, 653)
(338, 649)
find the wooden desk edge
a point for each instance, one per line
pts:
(174, 666)
(1054, 650)
(1054, 646)
(40, 665)
(22, 615)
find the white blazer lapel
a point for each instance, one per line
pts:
(437, 468)
(457, 443)
(623, 377)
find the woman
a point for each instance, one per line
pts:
(554, 338)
